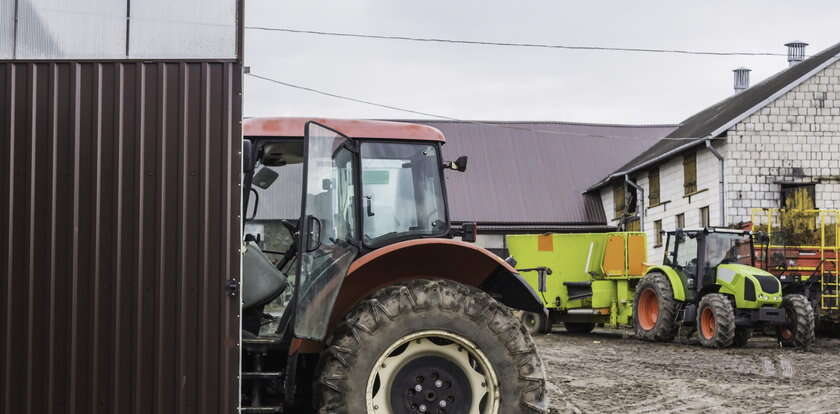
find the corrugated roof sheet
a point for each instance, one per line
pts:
(536, 172)
(700, 125)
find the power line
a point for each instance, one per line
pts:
(444, 117)
(511, 44)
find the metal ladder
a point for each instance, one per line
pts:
(829, 282)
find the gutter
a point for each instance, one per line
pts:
(640, 197)
(721, 182)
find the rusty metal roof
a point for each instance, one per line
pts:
(536, 172)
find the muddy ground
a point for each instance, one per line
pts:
(610, 372)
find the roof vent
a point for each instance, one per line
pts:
(742, 79)
(796, 51)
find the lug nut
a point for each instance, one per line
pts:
(422, 408)
(442, 404)
(438, 383)
(418, 388)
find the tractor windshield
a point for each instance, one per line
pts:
(723, 248)
(402, 194)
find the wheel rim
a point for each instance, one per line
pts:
(530, 320)
(432, 372)
(707, 323)
(787, 334)
(648, 309)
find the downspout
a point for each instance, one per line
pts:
(640, 195)
(720, 188)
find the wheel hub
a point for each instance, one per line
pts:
(432, 385)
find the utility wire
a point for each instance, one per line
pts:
(445, 117)
(511, 44)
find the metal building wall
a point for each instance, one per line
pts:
(119, 230)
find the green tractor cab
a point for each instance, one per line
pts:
(708, 280)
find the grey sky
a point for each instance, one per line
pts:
(503, 83)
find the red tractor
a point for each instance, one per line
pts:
(378, 307)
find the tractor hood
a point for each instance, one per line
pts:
(752, 287)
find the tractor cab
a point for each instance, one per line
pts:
(703, 256)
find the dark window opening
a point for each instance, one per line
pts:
(690, 173)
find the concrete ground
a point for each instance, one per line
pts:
(608, 371)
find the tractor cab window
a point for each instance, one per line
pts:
(402, 196)
(723, 248)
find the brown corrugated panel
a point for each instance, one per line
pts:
(119, 229)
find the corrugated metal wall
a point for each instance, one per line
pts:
(119, 229)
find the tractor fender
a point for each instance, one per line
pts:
(676, 283)
(435, 258)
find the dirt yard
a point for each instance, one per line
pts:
(607, 372)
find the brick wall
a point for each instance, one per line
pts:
(795, 139)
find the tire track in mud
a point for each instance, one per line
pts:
(604, 372)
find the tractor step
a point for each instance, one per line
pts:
(261, 375)
(261, 410)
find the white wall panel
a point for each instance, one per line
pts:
(7, 28)
(64, 29)
(183, 29)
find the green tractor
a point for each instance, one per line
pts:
(708, 281)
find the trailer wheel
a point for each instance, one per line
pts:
(654, 309)
(579, 327)
(432, 346)
(716, 321)
(799, 329)
(535, 323)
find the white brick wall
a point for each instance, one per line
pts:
(795, 139)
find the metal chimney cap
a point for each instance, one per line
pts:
(742, 69)
(796, 43)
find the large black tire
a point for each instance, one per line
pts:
(536, 323)
(657, 320)
(716, 321)
(404, 309)
(579, 327)
(742, 336)
(799, 330)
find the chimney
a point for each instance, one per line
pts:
(742, 79)
(796, 51)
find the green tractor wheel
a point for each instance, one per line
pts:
(799, 329)
(535, 323)
(654, 309)
(716, 321)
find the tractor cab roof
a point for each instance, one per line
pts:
(353, 128)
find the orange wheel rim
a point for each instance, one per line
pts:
(707, 323)
(648, 309)
(787, 334)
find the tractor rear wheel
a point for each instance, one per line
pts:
(716, 321)
(799, 329)
(579, 327)
(654, 309)
(431, 346)
(537, 324)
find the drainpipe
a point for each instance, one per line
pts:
(722, 193)
(640, 196)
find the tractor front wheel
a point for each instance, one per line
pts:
(799, 329)
(716, 321)
(654, 309)
(537, 324)
(431, 346)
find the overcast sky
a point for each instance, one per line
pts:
(504, 83)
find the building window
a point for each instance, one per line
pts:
(704, 216)
(680, 221)
(657, 233)
(798, 197)
(690, 173)
(618, 199)
(653, 186)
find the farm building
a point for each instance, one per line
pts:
(772, 145)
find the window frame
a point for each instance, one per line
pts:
(689, 173)
(705, 217)
(619, 189)
(677, 219)
(657, 233)
(654, 177)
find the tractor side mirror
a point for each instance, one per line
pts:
(459, 164)
(247, 156)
